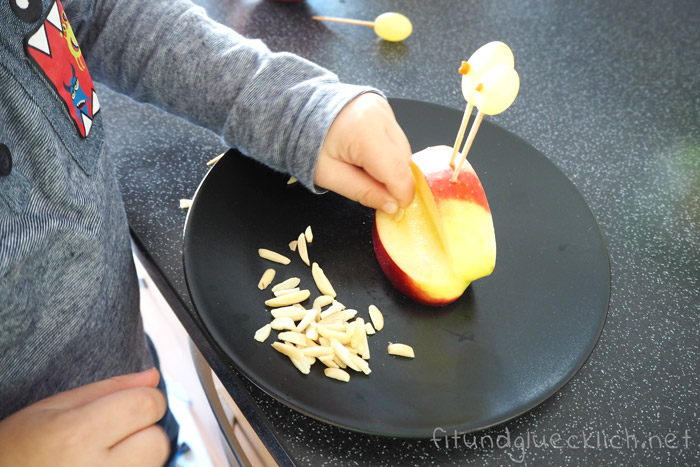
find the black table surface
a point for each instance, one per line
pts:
(610, 93)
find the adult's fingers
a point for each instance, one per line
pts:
(148, 447)
(352, 182)
(85, 394)
(119, 415)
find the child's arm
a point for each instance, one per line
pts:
(276, 107)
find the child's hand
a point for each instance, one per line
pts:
(366, 156)
(111, 422)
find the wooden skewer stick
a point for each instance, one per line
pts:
(344, 20)
(460, 134)
(468, 144)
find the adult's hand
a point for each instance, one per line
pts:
(107, 423)
(366, 156)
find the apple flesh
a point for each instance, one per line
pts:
(445, 238)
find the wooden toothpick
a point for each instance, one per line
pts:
(460, 134)
(468, 144)
(344, 20)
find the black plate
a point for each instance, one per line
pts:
(512, 341)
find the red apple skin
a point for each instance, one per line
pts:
(467, 187)
(399, 278)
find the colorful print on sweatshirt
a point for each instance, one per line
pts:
(55, 51)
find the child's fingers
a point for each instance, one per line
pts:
(354, 183)
(387, 160)
(366, 156)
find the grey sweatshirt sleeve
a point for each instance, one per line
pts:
(275, 107)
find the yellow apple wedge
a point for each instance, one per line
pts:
(445, 239)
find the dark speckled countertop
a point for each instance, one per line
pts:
(610, 92)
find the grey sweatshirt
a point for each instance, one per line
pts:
(68, 293)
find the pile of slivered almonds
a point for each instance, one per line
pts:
(335, 336)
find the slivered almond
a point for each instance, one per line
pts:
(322, 282)
(292, 180)
(328, 360)
(216, 159)
(293, 312)
(337, 373)
(333, 321)
(287, 284)
(340, 316)
(309, 360)
(273, 256)
(339, 362)
(377, 318)
(348, 314)
(309, 318)
(364, 348)
(309, 235)
(343, 354)
(292, 337)
(317, 351)
(302, 365)
(293, 245)
(282, 323)
(335, 306)
(340, 326)
(309, 342)
(369, 329)
(338, 336)
(263, 333)
(357, 333)
(401, 350)
(361, 364)
(266, 279)
(288, 350)
(279, 293)
(350, 331)
(289, 299)
(321, 301)
(312, 333)
(303, 251)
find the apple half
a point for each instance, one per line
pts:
(445, 238)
